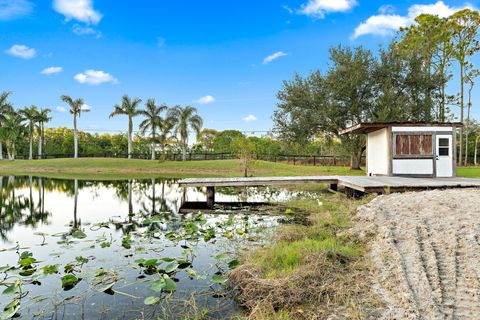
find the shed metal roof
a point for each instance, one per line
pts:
(367, 127)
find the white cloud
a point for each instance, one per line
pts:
(52, 70)
(21, 51)
(61, 109)
(273, 57)
(205, 100)
(386, 23)
(86, 108)
(95, 77)
(319, 8)
(80, 10)
(250, 118)
(11, 9)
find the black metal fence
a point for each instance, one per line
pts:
(307, 160)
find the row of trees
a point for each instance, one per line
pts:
(407, 81)
(159, 123)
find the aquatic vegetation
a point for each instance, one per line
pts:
(148, 256)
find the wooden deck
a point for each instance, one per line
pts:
(362, 184)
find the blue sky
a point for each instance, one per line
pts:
(227, 58)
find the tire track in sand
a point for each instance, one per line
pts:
(427, 252)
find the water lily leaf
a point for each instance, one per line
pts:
(27, 262)
(69, 281)
(221, 256)
(218, 278)
(151, 300)
(81, 259)
(171, 267)
(151, 263)
(28, 272)
(127, 242)
(79, 234)
(105, 245)
(158, 285)
(11, 309)
(228, 235)
(50, 269)
(170, 285)
(234, 263)
(11, 289)
(167, 259)
(191, 273)
(25, 255)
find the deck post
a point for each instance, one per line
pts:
(210, 197)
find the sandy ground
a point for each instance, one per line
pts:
(426, 252)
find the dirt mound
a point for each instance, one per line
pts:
(426, 251)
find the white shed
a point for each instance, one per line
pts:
(409, 148)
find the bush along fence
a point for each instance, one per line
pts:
(307, 160)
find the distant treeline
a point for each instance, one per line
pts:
(59, 141)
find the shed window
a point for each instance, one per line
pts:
(443, 147)
(413, 145)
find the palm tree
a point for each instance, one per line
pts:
(183, 119)
(153, 121)
(11, 129)
(129, 108)
(76, 108)
(166, 129)
(30, 115)
(5, 107)
(43, 117)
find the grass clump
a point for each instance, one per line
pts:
(309, 271)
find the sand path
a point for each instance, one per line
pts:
(426, 251)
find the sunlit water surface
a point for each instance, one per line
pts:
(124, 241)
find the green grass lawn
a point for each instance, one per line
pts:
(109, 169)
(102, 168)
(468, 172)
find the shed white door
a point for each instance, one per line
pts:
(444, 156)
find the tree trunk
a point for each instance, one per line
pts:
(476, 150)
(356, 160)
(184, 150)
(40, 141)
(460, 156)
(30, 144)
(153, 145)
(75, 137)
(467, 128)
(1, 150)
(130, 125)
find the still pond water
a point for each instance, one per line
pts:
(73, 249)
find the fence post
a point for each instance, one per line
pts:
(314, 161)
(293, 160)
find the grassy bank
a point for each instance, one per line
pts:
(101, 168)
(310, 271)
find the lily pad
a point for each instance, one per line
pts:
(218, 278)
(69, 281)
(79, 234)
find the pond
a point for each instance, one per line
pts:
(78, 249)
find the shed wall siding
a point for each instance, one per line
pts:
(413, 166)
(378, 152)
